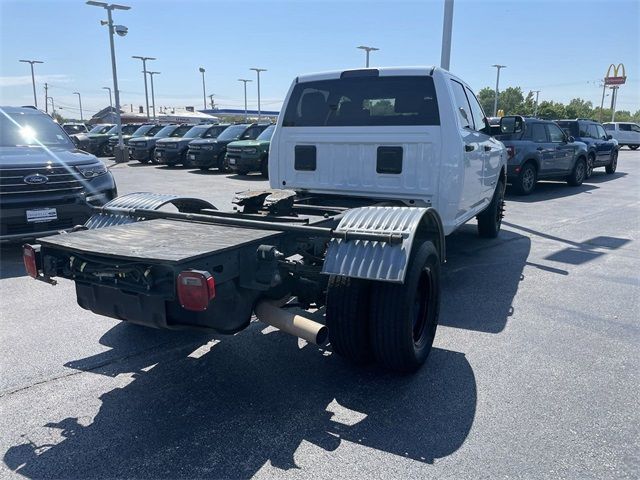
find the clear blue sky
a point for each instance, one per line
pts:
(559, 47)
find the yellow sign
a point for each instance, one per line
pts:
(616, 78)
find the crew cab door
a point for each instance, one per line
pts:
(473, 142)
(563, 150)
(544, 149)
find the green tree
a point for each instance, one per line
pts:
(579, 108)
(510, 99)
(551, 110)
(485, 97)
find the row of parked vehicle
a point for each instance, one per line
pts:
(242, 148)
(563, 149)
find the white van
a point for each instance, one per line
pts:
(410, 135)
(626, 133)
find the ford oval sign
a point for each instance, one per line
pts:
(36, 179)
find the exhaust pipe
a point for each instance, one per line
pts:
(297, 325)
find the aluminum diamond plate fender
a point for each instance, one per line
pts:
(381, 260)
(146, 200)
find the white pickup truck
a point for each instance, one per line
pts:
(369, 171)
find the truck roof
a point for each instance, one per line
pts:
(383, 72)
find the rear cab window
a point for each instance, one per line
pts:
(363, 101)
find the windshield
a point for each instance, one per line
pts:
(196, 132)
(213, 132)
(180, 131)
(101, 129)
(233, 132)
(147, 130)
(165, 131)
(21, 129)
(267, 134)
(71, 129)
(129, 129)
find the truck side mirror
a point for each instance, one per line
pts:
(511, 124)
(571, 139)
(609, 137)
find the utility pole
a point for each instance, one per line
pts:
(368, 50)
(244, 80)
(604, 88)
(46, 96)
(153, 95)
(495, 100)
(258, 70)
(204, 94)
(211, 102)
(447, 27)
(33, 79)
(535, 113)
(80, 102)
(121, 30)
(614, 99)
(144, 73)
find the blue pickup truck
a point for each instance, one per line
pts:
(539, 149)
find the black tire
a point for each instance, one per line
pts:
(613, 164)
(264, 167)
(526, 181)
(490, 220)
(144, 160)
(578, 174)
(404, 317)
(347, 318)
(633, 147)
(590, 161)
(152, 157)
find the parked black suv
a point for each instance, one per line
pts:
(82, 141)
(172, 151)
(145, 130)
(143, 148)
(46, 184)
(540, 149)
(602, 148)
(210, 153)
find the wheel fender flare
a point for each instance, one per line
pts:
(382, 261)
(146, 200)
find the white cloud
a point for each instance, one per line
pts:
(21, 80)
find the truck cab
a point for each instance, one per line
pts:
(415, 136)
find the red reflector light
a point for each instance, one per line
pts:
(511, 152)
(29, 258)
(195, 289)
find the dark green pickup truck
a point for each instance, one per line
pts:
(244, 156)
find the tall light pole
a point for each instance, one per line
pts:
(122, 31)
(535, 113)
(447, 27)
(258, 70)
(110, 101)
(368, 50)
(33, 79)
(46, 96)
(495, 100)
(204, 90)
(244, 80)
(153, 95)
(80, 102)
(144, 73)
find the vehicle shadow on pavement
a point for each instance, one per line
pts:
(211, 171)
(248, 178)
(11, 264)
(480, 279)
(601, 177)
(227, 412)
(548, 190)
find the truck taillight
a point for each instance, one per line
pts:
(29, 256)
(195, 289)
(511, 152)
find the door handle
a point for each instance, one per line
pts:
(469, 148)
(487, 148)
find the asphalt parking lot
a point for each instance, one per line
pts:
(534, 373)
